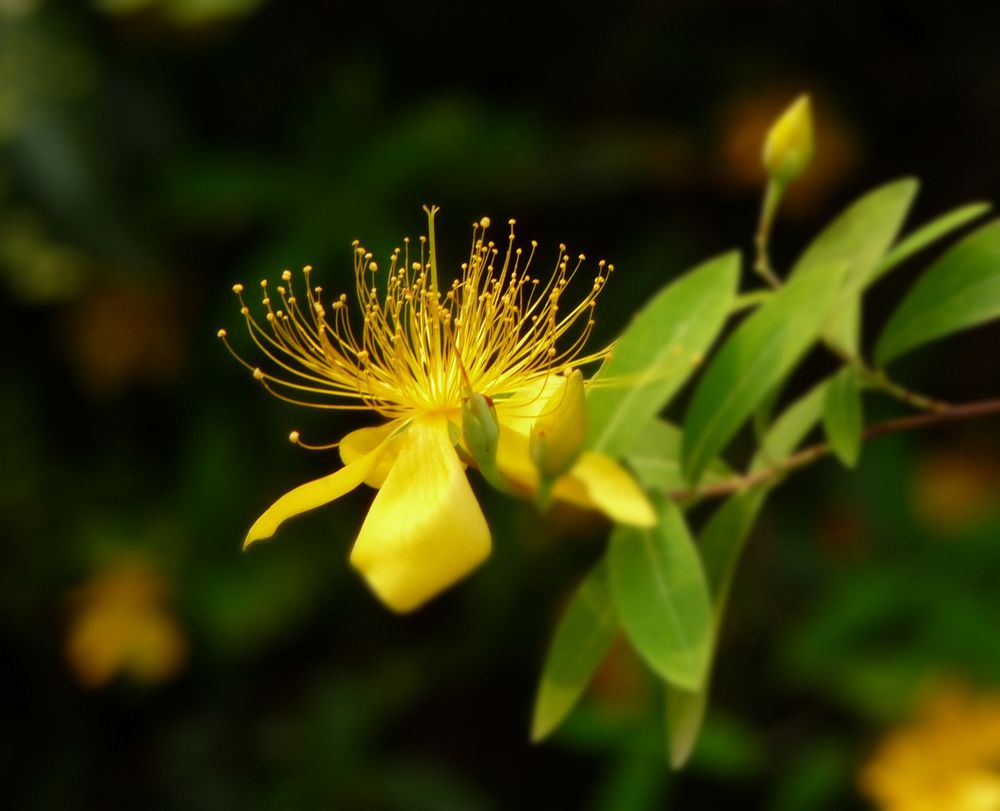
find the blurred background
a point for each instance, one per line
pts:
(154, 152)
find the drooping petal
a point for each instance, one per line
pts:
(357, 443)
(424, 530)
(595, 482)
(599, 481)
(314, 494)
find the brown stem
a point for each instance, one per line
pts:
(800, 459)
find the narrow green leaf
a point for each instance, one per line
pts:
(794, 424)
(655, 458)
(929, 234)
(858, 239)
(662, 599)
(961, 290)
(843, 419)
(762, 413)
(721, 545)
(657, 353)
(685, 717)
(581, 641)
(754, 359)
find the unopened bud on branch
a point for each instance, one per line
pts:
(789, 145)
(480, 429)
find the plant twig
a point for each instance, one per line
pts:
(762, 265)
(878, 379)
(805, 457)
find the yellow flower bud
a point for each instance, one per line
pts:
(558, 435)
(480, 428)
(789, 145)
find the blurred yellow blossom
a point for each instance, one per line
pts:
(116, 336)
(121, 625)
(422, 352)
(947, 759)
(955, 489)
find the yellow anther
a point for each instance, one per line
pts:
(258, 374)
(286, 275)
(237, 288)
(221, 333)
(293, 437)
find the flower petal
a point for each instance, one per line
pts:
(595, 481)
(357, 443)
(425, 529)
(520, 410)
(599, 481)
(314, 494)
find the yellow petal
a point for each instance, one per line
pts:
(519, 411)
(314, 494)
(425, 529)
(601, 482)
(596, 482)
(357, 443)
(558, 435)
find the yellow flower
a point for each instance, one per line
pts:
(121, 624)
(421, 352)
(948, 759)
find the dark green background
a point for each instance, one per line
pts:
(147, 165)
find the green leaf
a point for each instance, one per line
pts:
(843, 419)
(662, 598)
(929, 234)
(858, 239)
(961, 290)
(657, 353)
(655, 458)
(581, 641)
(685, 717)
(721, 545)
(791, 427)
(754, 359)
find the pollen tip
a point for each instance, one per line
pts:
(221, 333)
(258, 374)
(263, 282)
(237, 288)
(293, 437)
(485, 222)
(286, 275)
(307, 269)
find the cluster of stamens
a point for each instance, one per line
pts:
(421, 349)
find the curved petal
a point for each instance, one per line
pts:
(601, 482)
(314, 494)
(424, 530)
(521, 409)
(595, 481)
(357, 443)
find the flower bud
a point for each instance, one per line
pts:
(558, 435)
(789, 146)
(480, 428)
